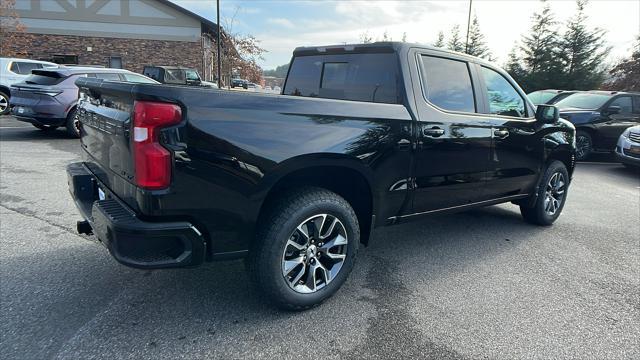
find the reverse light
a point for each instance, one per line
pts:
(151, 160)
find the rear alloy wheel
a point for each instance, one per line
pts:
(584, 145)
(4, 103)
(305, 248)
(552, 195)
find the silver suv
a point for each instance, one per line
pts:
(13, 71)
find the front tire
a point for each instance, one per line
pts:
(4, 103)
(552, 195)
(584, 145)
(305, 248)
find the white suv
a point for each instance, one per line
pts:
(13, 71)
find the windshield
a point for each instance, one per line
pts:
(540, 97)
(583, 101)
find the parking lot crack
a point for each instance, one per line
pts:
(30, 214)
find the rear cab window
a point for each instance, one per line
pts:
(355, 77)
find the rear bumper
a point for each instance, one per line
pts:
(131, 241)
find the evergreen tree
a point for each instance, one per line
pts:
(514, 66)
(477, 45)
(626, 75)
(583, 52)
(540, 49)
(440, 42)
(455, 43)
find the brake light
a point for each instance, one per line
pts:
(152, 161)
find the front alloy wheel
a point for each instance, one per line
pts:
(314, 253)
(554, 193)
(4, 103)
(584, 145)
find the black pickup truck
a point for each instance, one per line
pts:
(362, 136)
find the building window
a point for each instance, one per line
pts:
(115, 62)
(65, 59)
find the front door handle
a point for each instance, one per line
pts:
(433, 132)
(501, 133)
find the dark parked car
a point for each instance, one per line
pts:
(364, 136)
(176, 75)
(48, 97)
(549, 96)
(600, 117)
(239, 83)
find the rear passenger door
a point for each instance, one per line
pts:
(453, 140)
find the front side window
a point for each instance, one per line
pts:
(192, 75)
(503, 98)
(447, 84)
(636, 104)
(356, 77)
(624, 103)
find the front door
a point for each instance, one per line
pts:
(516, 152)
(453, 140)
(613, 125)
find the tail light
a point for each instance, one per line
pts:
(152, 160)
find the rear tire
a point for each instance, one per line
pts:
(305, 248)
(584, 145)
(4, 103)
(552, 195)
(71, 124)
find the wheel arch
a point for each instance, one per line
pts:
(5, 90)
(341, 177)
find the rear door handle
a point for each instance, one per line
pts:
(433, 132)
(501, 133)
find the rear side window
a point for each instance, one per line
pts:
(357, 77)
(447, 84)
(24, 68)
(137, 79)
(152, 72)
(108, 76)
(503, 98)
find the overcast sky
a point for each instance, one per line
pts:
(283, 25)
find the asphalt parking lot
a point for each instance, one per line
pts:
(481, 284)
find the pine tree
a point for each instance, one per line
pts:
(583, 52)
(514, 66)
(455, 43)
(541, 59)
(626, 75)
(440, 42)
(477, 45)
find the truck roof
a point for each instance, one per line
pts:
(375, 47)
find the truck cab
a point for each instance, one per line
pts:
(176, 75)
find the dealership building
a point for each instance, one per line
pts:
(125, 34)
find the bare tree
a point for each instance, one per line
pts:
(365, 38)
(241, 52)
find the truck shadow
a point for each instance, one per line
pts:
(213, 308)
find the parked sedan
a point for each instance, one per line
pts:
(628, 148)
(549, 96)
(600, 117)
(47, 98)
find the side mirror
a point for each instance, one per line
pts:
(612, 110)
(547, 114)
